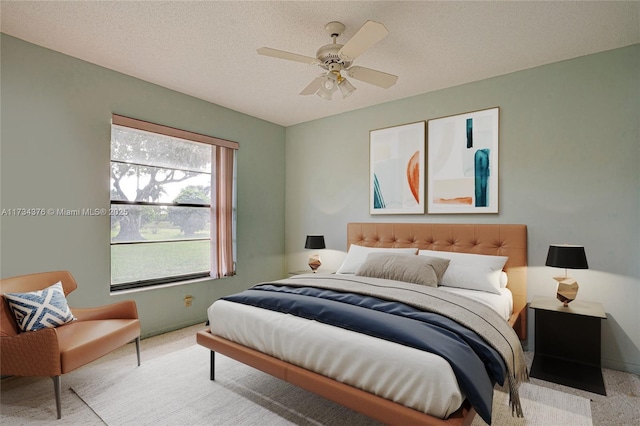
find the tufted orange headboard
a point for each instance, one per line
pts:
(491, 239)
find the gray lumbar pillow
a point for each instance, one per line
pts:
(424, 270)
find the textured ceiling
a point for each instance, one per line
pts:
(207, 49)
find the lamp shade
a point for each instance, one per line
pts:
(324, 94)
(346, 88)
(567, 256)
(314, 242)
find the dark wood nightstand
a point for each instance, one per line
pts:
(568, 343)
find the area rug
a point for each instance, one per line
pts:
(542, 406)
(175, 389)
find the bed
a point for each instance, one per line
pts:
(388, 391)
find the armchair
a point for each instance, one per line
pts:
(55, 351)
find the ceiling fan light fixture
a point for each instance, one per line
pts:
(336, 58)
(346, 88)
(328, 86)
(324, 94)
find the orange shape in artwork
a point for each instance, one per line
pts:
(457, 200)
(413, 175)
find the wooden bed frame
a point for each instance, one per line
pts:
(499, 240)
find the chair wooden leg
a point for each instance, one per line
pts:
(57, 388)
(138, 349)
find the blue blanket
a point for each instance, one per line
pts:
(477, 365)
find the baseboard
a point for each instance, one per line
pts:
(173, 327)
(620, 366)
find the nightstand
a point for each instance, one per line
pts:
(568, 343)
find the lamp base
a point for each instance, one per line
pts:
(314, 262)
(567, 290)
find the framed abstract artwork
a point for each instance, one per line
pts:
(462, 163)
(397, 169)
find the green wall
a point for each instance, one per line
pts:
(569, 170)
(55, 148)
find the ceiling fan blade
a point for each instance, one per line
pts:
(368, 35)
(281, 54)
(377, 78)
(312, 87)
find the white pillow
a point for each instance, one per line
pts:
(357, 255)
(471, 271)
(504, 279)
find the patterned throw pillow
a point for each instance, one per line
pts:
(40, 309)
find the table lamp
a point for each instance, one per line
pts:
(569, 257)
(314, 242)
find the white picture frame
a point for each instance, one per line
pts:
(463, 163)
(397, 169)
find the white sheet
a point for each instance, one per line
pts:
(411, 377)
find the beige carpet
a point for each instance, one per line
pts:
(175, 389)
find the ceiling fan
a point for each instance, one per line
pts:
(336, 58)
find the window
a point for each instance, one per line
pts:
(173, 205)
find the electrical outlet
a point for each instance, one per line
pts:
(188, 300)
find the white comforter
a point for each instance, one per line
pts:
(411, 377)
(408, 376)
